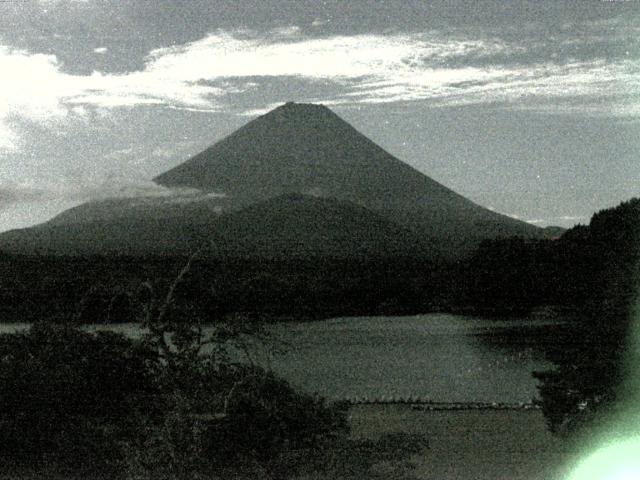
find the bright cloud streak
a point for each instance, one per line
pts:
(563, 220)
(364, 68)
(28, 203)
(12, 192)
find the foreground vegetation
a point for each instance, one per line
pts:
(144, 419)
(79, 407)
(106, 289)
(75, 404)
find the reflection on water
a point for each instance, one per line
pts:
(439, 356)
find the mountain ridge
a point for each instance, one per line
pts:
(296, 149)
(307, 148)
(287, 226)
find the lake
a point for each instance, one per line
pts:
(442, 357)
(438, 356)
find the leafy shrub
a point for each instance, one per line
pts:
(265, 416)
(256, 425)
(76, 402)
(68, 397)
(170, 405)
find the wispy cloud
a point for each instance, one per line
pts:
(371, 68)
(16, 193)
(28, 203)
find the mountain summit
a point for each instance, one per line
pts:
(308, 149)
(298, 181)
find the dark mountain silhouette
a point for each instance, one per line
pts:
(296, 181)
(295, 225)
(140, 226)
(201, 207)
(308, 149)
(287, 226)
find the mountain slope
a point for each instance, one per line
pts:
(308, 149)
(348, 193)
(287, 226)
(296, 225)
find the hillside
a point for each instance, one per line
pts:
(294, 225)
(308, 149)
(288, 226)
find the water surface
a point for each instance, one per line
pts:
(442, 357)
(439, 356)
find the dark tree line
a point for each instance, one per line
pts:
(592, 377)
(591, 274)
(582, 270)
(105, 289)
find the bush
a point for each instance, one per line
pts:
(265, 416)
(171, 405)
(80, 403)
(68, 397)
(256, 425)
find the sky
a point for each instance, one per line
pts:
(529, 108)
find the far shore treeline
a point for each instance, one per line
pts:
(577, 272)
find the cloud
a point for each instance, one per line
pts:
(12, 193)
(8, 138)
(114, 187)
(164, 152)
(262, 110)
(137, 153)
(30, 88)
(30, 203)
(364, 57)
(562, 220)
(34, 88)
(367, 68)
(289, 31)
(390, 68)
